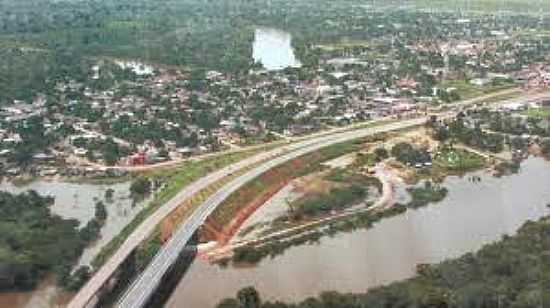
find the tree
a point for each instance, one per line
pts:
(140, 187)
(33, 241)
(100, 211)
(249, 298)
(381, 154)
(109, 194)
(545, 147)
(406, 153)
(229, 303)
(79, 278)
(111, 152)
(91, 231)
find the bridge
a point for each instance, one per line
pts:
(88, 295)
(141, 290)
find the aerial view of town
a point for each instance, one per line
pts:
(275, 153)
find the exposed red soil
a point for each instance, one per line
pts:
(254, 195)
(222, 235)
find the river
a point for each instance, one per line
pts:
(473, 214)
(74, 201)
(77, 201)
(273, 49)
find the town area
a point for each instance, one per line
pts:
(274, 153)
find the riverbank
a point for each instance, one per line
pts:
(322, 210)
(472, 214)
(300, 232)
(508, 273)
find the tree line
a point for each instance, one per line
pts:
(511, 273)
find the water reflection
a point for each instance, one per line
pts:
(273, 49)
(473, 214)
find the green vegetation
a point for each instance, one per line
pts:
(34, 140)
(140, 187)
(351, 177)
(30, 241)
(336, 199)
(365, 159)
(457, 130)
(421, 196)
(458, 160)
(266, 183)
(545, 147)
(424, 195)
(29, 237)
(109, 194)
(351, 189)
(409, 154)
(483, 6)
(543, 112)
(176, 178)
(465, 90)
(512, 124)
(100, 211)
(507, 167)
(147, 251)
(513, 272)
(25, 73)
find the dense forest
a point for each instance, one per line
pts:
(195, 34)
(513, 272)
(30, 245)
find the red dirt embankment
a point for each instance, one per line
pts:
(214, 231)
(222, 225)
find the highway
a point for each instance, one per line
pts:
(169, 252)
(145, 285)
(90, 289)
(86, 293)
(172, 163)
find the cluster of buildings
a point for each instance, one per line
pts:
(132, 113)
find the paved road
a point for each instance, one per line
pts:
(82, 298)
(146, 228)
(145, 285)
(175, 162)
(388, 180)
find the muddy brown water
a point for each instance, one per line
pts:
(74, 201)
(473, 214)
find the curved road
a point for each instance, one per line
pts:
(145, 285)
(87, 293)
(90, 289)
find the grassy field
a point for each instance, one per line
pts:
(458, 160)
(467, 90)
(176, 178)
(543, 112)
(269, 182)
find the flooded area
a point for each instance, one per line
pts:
(45, 295)
(77, 201)
(273, 49)
(74, 201)
(473, 214)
